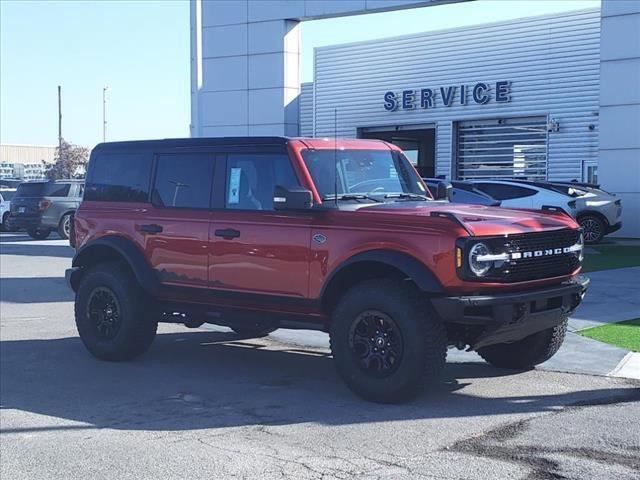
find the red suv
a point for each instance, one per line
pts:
(341, 236)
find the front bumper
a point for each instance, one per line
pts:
(509, 317)
(614, 228)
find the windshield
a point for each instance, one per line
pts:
(382, 173)
(7, 194)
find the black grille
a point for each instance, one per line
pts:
(523, 269)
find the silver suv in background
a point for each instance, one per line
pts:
(599, 212)
(41, 207)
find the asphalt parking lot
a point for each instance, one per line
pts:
(207, 403)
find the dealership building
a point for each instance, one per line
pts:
(553, 97)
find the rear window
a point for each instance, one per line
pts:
(119, 178)
(31, 189)
(43, 189)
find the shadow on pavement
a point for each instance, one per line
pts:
(196, 380)
(35, 290)
(37, 250)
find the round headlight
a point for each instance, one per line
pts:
(477, 267)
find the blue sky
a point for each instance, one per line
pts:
(141, 50)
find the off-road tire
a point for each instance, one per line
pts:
(38, 233)
(593, 228)
(64, 227)
(528, 352)
(253, 331)
(137, 329)
(423, 337)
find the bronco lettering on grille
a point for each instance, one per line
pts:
(543, 253)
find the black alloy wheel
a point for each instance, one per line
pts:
(104, 311)
(376, 343)
(592, 228)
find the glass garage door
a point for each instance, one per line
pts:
(504, 148)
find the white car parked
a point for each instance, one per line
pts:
(5, 206)
(513, 194)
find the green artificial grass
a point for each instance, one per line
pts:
(623, 334)
(609, 256)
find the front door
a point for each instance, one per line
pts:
(257, 251)
(177, 225)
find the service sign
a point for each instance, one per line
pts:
(480, 93)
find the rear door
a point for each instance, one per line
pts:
(176, 226)
(257, 251)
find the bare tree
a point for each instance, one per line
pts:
(70, 161)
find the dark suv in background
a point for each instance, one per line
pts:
(41, 207)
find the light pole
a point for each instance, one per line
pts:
(104, 113)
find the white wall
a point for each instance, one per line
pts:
(619, 167)
(245, 61)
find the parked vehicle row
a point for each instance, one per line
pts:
(597, 211)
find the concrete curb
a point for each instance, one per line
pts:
(629, 367)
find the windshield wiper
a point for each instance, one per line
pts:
(412, 196)
(352, 196)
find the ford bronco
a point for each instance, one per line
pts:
(340, 236)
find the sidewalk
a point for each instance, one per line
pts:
(613, 296)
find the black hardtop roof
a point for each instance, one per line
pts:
(192, 142)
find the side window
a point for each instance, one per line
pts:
(183, 181)
(505, 192)
(58, 190)
(251, 179)
(80, 190)
(119, 178)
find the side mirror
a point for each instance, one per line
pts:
(444, 191)
(293, 198)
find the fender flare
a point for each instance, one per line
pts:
(144, 273)
(421, 275)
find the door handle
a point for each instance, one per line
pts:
(227, 233)
(152, 228)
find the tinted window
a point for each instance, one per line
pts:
(183, 180)
(252, 178)
(464, 196)
(505, 192)
(35, 189)
(58, 190)
(119, 178)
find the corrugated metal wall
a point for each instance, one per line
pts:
(26, 154)
(551, 61)
(306, 109)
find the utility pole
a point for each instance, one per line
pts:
(104, 113)
(60, 117)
